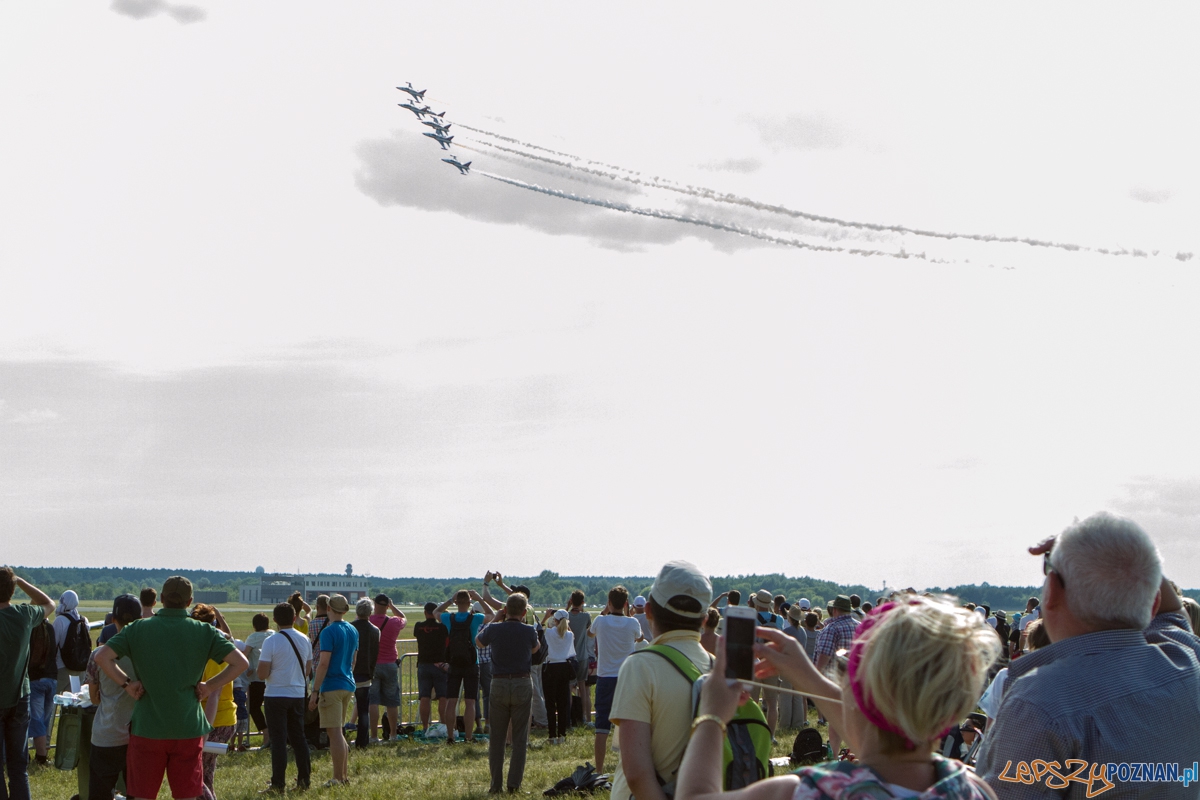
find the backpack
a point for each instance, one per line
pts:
(460, 650)
(43, 652)
(770, 621)
(809, 746)
(540, 655)
(76, 646)
(746, 756)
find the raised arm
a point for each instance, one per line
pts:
(489, 601)
(36, 596)
(719, 597)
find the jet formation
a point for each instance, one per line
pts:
(436, 121)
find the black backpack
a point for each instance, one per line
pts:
(808, 746)
(540, 655)
(76, 646)
(460, 650)
(43, 652)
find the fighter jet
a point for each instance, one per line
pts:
(462, 168)
(444, 141)
(420, 112)
(429, 111)
(416, 96)
(437, 126)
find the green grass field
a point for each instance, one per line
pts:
(396, 770)
(389, 771)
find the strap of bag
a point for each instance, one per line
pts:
(678, 660)
(299, 660)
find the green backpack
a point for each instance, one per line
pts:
(747, 752)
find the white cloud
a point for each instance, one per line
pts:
(35, 416)
(144, 9)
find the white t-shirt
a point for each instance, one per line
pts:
(559, 648)
(615, 638)
(286, 678)
(1028, 618)
(644, 621)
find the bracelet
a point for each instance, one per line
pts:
(708, 718)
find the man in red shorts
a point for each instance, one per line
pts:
(169, 651)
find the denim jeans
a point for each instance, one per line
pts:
(41, 706)
(285, 723)
(14, 724)
(512, 700)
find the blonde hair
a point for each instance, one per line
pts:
(1192, 609)
(562, 626)
(924, 665)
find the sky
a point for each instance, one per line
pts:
(680, 307)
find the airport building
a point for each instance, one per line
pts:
(273, 589)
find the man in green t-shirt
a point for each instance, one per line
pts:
(169, 651)
(16, 623)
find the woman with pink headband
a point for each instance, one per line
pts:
(917, 667)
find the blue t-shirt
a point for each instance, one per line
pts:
(340, 640)
(476, 621)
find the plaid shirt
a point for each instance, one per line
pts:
(1118, 696)
(837, 634)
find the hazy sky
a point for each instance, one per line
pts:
(248, 317)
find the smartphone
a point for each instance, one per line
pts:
(740, 623)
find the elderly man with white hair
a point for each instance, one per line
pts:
(1120, 682)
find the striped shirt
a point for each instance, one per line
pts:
(1111, 697)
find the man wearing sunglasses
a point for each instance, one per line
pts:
(1122, 657)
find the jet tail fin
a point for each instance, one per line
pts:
(467, 166)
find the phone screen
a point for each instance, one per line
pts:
(739, 648)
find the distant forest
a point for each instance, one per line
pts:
(547, 589)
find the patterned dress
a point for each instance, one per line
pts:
(846, 780)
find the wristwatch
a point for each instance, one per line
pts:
(125, 685)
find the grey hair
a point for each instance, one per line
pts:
(364, 607)
(1111, 570)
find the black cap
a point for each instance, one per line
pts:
(431, 607)
(381, 598)
(127, 605)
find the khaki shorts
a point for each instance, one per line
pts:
(770, 695)
(333, 707)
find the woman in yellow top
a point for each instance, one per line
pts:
(302, 609)
(220, 708)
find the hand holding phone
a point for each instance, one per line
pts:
(740, 622)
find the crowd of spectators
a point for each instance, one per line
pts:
(920, 695)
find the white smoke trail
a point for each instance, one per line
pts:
(715, 225)
(566, 171)
(722, 197)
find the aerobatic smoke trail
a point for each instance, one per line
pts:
(720, 226)
(721, 197)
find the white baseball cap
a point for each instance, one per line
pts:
(678, 578)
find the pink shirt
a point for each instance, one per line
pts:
(389, 632)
